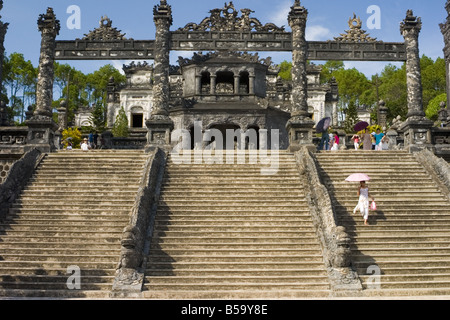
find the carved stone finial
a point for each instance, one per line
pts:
(297, 9)
(411, 22)
(105, 32)
(226, 19)
(163, 10)
(48, 22)
(356, 33)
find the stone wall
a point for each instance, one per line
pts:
(137, 234)
(19, 175)
(5, 166)
(438, 168)
(334, 239)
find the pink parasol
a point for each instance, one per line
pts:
(358, 177)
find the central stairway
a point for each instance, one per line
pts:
(225, 231)
(408, 237)
(71, 214)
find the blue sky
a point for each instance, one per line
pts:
(327, 19)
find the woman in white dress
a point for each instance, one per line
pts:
(363, 204)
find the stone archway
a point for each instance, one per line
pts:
(228, 139)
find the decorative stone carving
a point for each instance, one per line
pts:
(105, 32)
(201, 57)
(226, 19)
(410, 29)
(49, 26)
(356, 33)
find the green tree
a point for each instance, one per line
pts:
(328, 70)
(351, 117)
(120, 128)
(285, 70)
(434, 106)
(98, 119)
(20, 79)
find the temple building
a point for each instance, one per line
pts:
(222, 90)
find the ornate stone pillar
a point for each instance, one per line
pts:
(41, 125)
(111, 103)
(237, 82)
(212, 89)
(382, 114)
(416, 128)
(160, 125)
(251, 84)
(62, 116)
(300, 126)
(445, 29)
(3, 30)
(198, 84)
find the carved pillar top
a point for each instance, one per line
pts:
(47, 23)
(411, 25)
(163, 11)
(298, 15)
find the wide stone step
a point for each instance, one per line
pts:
(237, 265)
(64, 233)
(266, 286)
(361, 245)
(236, 228)
(364, 262)
(69, 213)
(231, 234)
(235, 198)
(91, 193)
(311, 247)
(61, 227)
(107, 205)
(305, 280)
(414, 284)
(225, 185)
(237, 258)
(235, 252)
(242, 239)
(22, 246)
(49, 258)
(392, 271)
(93, 188)
(81, 240)
(226, 223)
(106, 286)
(406, 249)
(404, 228)
(250, 294)
(28, 273)
(274, 272)
(66, 220)
(31, 279)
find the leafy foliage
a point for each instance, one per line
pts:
(72, 134)
(120, 128)
(434, 106)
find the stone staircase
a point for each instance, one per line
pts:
(225, 231)
(408, 238)
(72, 213)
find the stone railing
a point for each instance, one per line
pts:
(441, 142)
(18, 176)
(13, 140)
(334, 239)
(137, 234)
(437, 167)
